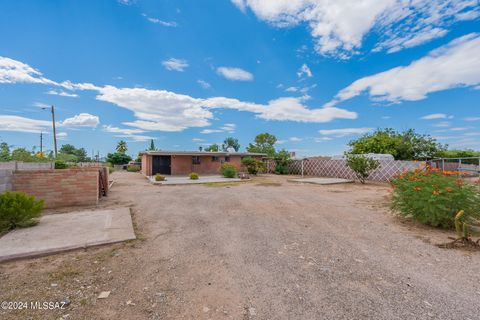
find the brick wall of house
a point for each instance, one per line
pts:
(59, 188)
(147, 164)
(182, 165)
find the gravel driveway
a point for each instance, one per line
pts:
(265, 249)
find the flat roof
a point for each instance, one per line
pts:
(200, 153)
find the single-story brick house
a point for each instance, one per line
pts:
(185, 162)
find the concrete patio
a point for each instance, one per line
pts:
(321, 181)
(179, 180)
(61, 232)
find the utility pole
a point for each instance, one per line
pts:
(41, 144)
(54, 131)
(52, 109)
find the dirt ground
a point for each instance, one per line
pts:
(264, 249)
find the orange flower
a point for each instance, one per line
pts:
(435, 192)
(417, 189)
(449, 190)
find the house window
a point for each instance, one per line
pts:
(227, 159)
(196, 160)
(215, 159)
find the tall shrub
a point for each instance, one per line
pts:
(434, 198)
(362, 166)
(253, 166)
(228, 170)
(18, 209)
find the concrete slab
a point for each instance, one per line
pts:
(173, 180)
(321, 181)
(61, 232)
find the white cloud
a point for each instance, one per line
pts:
(161, 110)
(81, 120)
(460, 128)
(450, 66)
(136, 138)
(125, 131)
(345, 131)
(435, 116)
(22, 124)
(161, 22)
(175, 64)
(322, 139)
(204, 84)
(198, 140)
(62, 93)
(291, 89)
(472, 119)
(62, 136)
(208, 131)
(443, 124)
(132, 135)
(13, 71)
(126, 2)
(304, 71)
(158, 110)
(235, 74)
(229, 127)
(240, 4)
(339, 27)
(295, 139)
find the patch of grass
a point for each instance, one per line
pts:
(66, 271)
(220, 184)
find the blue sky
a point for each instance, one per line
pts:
(315, 73)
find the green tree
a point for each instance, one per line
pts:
(4, 152)
(67, 149)
(22, 154)
(361, 165)
(213, 148)
(69, 153)
(230, 143)
(264, 143)
(152, 146)
(122, 147)
(118, 158)
(407, 145)
(282, 161)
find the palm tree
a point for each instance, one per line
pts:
(122, 147)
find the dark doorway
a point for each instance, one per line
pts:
(162, 165)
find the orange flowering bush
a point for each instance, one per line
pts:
(434, 197)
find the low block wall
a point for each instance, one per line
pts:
(5, 180)
(60, 188)
(20, 165)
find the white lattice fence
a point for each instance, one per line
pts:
(338, 169)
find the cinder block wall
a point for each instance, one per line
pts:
(59, 188)
(5, 180)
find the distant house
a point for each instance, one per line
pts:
(185, 162)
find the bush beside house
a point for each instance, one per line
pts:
(228, 170)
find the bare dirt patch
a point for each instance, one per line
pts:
(254, 252)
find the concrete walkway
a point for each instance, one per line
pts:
(179, 180)
(61, 232)
(321, 181)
